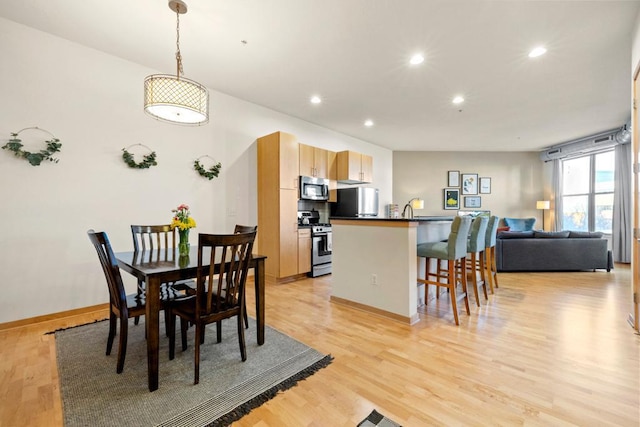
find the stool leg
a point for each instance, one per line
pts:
(487, 267)
(452, 289)
(474, 277)
(464, 288)
(494, 270)
(483, 276)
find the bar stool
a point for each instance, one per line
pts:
(475, 248)
(490, 252)
(454, 251)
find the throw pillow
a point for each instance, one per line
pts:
(520, 224)
(551, 234)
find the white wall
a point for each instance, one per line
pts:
(516, 180)
(92, 102)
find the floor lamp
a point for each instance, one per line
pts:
(543, 205)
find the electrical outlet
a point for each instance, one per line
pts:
(374, 279)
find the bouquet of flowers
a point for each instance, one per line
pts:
(182, 218)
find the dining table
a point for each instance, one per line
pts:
(159, 266)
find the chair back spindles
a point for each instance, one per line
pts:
(117, 294)
(153, 237)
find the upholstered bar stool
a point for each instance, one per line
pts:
(475, 254)
(454, 251)
(489, 261)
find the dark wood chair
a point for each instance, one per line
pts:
(245, 229)
(121, 306)
(220, 292)
(152, 240)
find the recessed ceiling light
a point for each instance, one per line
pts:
(368, 123)
(458, 100)
(416, 59)
(538, 51)
(316, 100)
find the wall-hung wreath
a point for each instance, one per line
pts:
(148, 160)
(52, 146)
(210, 173)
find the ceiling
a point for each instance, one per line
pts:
(355, 55)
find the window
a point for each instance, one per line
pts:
(587, 192)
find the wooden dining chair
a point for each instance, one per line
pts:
(122, 307)
(220, 292)
(156, 238)
(490, 253)
(245, 229)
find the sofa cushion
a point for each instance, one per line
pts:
(551, 234)
(515, 235)
(520, 224)
(586, 234)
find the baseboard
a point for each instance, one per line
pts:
(372, 310)
(54, 316)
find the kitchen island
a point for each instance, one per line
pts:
(375, 265)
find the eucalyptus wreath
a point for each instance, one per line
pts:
(15, 145)
(148, 160)
(210, 173)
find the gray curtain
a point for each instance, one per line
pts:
(622, 202)
(556, 196)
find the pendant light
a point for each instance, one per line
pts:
(176, 99)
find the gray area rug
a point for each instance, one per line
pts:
(375, 418)
(93, 394)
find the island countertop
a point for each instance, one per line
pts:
(378, 218)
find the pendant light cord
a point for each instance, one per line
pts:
(179, 70)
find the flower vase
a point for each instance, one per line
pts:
(183, 244)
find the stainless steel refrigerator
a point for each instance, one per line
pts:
(356, 202)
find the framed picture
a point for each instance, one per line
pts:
(452, 198)
(469, 183)
(485, 185)
(453, 179)
(472, 202)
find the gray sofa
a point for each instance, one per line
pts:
(552, 251)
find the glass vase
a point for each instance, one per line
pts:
(183, 244)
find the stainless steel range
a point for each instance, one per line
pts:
(320, 242)
(320, 250)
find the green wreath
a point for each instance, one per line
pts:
(148, 160)
(15, 145)
(210, 173)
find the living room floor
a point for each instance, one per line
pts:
(546, 349)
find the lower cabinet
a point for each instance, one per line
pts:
(304, 250)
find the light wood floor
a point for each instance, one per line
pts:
(548, 349)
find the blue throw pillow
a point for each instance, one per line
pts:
(520, 224)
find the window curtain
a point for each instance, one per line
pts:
(556, 197)
(622, 221)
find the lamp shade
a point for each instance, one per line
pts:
(543, 204)
(417, 204)
(176, 100)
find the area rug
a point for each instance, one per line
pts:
(377, 419)
(93, 394)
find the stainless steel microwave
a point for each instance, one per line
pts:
(314, 188)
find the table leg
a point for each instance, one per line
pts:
(153, 327)
(259, 279)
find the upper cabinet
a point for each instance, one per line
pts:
(278, 152)
(314, 161)
(354, 168)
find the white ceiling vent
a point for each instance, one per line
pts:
(587, 145)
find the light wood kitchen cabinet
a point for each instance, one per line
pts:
(278, 204)
(304, 250)
(332, 168)
(313, 161)
(354, 168)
